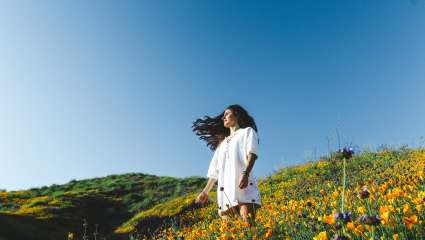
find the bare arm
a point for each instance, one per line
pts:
(203, 196)
(251, 160)
(210, 184)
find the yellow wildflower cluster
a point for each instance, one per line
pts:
(306, 200)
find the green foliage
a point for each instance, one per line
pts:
(119, 196)
(133, 198)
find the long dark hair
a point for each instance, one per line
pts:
(212, 130)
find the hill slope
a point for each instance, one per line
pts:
(384, 197)
(51, 212)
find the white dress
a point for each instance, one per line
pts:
(227, 169)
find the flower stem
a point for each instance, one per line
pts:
(343, 185)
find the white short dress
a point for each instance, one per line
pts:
(227, 167)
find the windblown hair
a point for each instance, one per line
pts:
(212, 130)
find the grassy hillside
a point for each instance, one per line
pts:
(51, 212)
(384, 198)
(383, 194)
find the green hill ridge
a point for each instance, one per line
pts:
(50, 212)
(298, 202)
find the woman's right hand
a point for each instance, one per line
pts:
(202, 198)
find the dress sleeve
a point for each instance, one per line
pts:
(251, 141)
(213, 168)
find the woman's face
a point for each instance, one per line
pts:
(229, 119)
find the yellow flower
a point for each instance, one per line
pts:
(410, 221)
(335, 194)
(361, 210)
(351, 226)
(211, 227)
(383, 187)
(223, 227)
(418, 200)
(222, 237)
(420, 175)
(396, 192)
(385, 218)
(395, 236)
(359, 229)
(384, 213)
(269, 233)
(406, 208)
(321, 236)
(329, 219)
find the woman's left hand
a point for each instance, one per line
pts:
(243, 181)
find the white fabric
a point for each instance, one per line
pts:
(228, 170)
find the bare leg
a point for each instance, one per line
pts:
(230, 213)
(223, 215)
(247, 212)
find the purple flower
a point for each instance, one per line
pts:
(371, 220)
(347, 152)
(337, 237)
(363, 218)
(345, 217)
(364, 193)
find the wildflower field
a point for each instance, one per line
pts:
(364, 195)
(368, 195)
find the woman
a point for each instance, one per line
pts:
(232, 136)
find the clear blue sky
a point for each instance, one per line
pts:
(92, 88)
